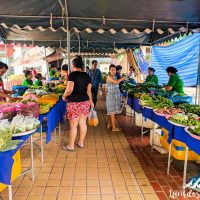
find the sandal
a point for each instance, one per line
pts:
(67, 149)
(79, 146)
(116, 130)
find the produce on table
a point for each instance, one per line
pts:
(45, 107)
(5, 134)
(169, 111)
(155, 102)
(29, 98)
(22, 123)
(186, 120)
(7, 111)
(195, 130)
(190, 108)
(28, 109)
(104, 76)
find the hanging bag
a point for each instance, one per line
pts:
(93, 119)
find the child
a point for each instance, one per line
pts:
(113, 98)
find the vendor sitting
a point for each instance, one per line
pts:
(28, 81)
(175, 83)
(39, 78)
(151, 77)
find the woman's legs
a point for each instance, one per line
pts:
(109, 122)
(83, 129)
(114, 123)
(72, 132)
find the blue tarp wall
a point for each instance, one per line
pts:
(184, 55)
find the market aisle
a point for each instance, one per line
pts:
(105, 169)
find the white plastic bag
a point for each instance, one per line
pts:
(93, 119)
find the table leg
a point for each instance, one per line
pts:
(41, 144)
(59, 128)
(142, 128)
(169, 158)
(32, 160)
(152, 145)
(10, 192)
(185, 167)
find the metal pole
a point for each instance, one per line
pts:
(185, 166)
(45, 53)
(68, 35)
(197, 99)
(32, 160)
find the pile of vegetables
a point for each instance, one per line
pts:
(195, 130)
(5, 134)
(22, 124)
(186, 120)
(189, 108)
(169, 111)
(155, 102)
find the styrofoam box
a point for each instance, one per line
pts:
(156, 141)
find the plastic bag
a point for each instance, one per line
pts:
(93, 119)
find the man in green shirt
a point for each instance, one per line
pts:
(151, 77)
(175, 83)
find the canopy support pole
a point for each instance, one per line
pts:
(197, 99)
(65, 8)
(45, 53)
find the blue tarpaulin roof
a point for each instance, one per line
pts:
(184, 55)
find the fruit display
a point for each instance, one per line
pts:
(185, 120)
(155, 102)
(168, 111)
(190, 108)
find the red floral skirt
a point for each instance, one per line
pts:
(75, 109)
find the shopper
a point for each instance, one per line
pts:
(39, 78)
(4, 93)
(28, 78)
(119, 75)
(175, 83)
(152, 78)
(113, 98)
(87, 69)
(78, 94)
(96, 78)
(64, 73)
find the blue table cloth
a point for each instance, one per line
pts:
(179, 133)
(54, 116)
(134, 104)
(6, 161)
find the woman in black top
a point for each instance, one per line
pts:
(78, 93)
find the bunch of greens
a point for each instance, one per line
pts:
(195, 130)
(186, 120)
(155, 102)
(190, 108)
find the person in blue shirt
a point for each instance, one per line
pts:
(96, 78)
(119, 75)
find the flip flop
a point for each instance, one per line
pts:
(66, 149)
(116, 130)
(79, 146)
